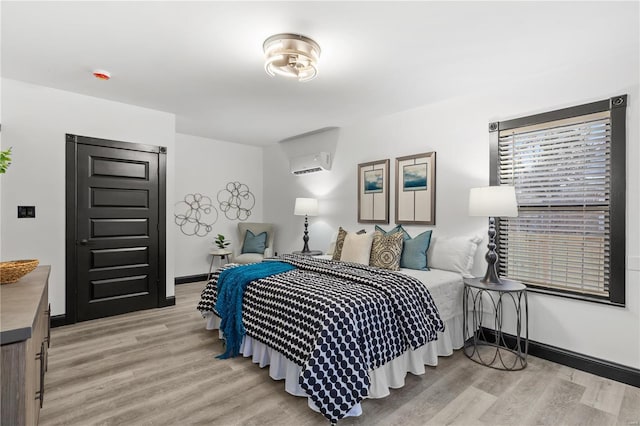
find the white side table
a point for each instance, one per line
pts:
(223, 254)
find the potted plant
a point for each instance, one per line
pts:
(5, 160)
(221, 242)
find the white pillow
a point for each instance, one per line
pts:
(357, 248)
(453, 254)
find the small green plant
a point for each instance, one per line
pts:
(5, 160)
(220, 242)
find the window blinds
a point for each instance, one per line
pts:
(561, 172)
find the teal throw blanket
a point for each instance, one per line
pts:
(231, 284)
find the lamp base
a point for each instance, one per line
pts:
(305, 239)
(491, 276)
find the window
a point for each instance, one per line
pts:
(568, 168)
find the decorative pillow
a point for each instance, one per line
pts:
(254, 243)
(386, 250)
(337, 248)
(414, 253)
(397, 228)
(454, 254)
(356, 248)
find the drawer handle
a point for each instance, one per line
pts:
(48, 338)
(40, 393)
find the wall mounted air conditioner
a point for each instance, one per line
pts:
(311, 163)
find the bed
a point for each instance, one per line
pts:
(392, 360)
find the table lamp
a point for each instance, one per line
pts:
(306, 207)
(492, 202)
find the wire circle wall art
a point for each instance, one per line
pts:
(195, 209)
(236, 201)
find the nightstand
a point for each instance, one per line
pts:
(484, 340)
(223, 254)
(309, 253)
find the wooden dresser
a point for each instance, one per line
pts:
(24, 324)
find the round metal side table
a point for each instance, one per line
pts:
(485, 342)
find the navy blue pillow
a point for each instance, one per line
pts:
(254, 243)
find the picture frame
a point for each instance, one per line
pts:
(415, 198)
(373, 192)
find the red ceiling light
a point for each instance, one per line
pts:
(102, 74)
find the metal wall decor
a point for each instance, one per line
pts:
(197, 215)
(373, 192)
(236, 201)
(416, 189)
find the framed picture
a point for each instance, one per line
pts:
(416, 189)
(373, 192)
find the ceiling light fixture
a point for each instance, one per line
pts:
(291, 55)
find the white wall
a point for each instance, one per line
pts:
(34, 121)
(205, 166)
(2, 147)
(457, 130)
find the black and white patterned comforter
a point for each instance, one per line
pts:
(337, 321)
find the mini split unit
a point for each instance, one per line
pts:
(311, 163)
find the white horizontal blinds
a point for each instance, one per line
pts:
(561, 171)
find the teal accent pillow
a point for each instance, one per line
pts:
(398, 228)
(254, 243)
(414, 252)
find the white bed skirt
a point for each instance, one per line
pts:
(389, 376)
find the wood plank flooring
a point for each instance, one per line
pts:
(157, 367)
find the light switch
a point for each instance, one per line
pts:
(26, 211)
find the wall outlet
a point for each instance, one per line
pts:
(26, 211)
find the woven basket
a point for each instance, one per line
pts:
(13, 270)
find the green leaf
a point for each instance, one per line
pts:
(5, 160)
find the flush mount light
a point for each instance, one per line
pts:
(291, 55)
(102, 74)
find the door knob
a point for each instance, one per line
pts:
(84, 242)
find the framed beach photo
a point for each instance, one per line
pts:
(373, 181)
(373, 192)
(416, 189)
(414, 177)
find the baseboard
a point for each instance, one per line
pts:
(58, 320)
(191, 279)
(169, 301)
(599, 367)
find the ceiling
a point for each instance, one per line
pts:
(203, 61)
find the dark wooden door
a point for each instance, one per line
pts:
(117, 217)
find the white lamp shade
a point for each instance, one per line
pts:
(493, 201)
(306, 207)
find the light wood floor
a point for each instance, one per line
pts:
(158, 367)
